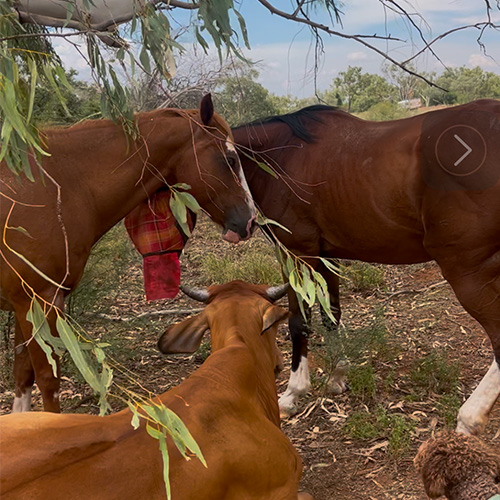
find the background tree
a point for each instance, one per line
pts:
(464, 85)
(409, 86)
(80, 103)
(359, 91)
(241, 99)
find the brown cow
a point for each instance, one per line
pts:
(229, 405)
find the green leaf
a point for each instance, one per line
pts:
(135, 415)
(41, 332)
(144, 58)
(308, 287)
(181, 185)
(243, 28)
(190, 201)
(263, 221)
(176, 429)
(164, 453)
(179, 211)
(33, 80)
(100, 382)
(21, 230)
(266, 168)
(154, 433)
(334, 268)
(43, 275)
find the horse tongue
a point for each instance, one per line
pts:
(231, 236)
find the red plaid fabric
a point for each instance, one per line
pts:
(154, 232)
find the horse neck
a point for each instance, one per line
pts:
(115, 174)
(264, 142)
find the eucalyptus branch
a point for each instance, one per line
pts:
(50, 35)
(322, 27)
(480, 26)
(358, 38)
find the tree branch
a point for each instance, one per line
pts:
(479, 26)
(317, 27)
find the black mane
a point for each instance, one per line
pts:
(298, 121)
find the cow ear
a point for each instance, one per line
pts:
(185, 337)
(206, 109)
(272, 316)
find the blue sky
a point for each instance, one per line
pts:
(285, 50)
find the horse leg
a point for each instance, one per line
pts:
(337, 382)
(44, 376)
(478, 290)
(299, 382)
(24, 374)
(473, 415)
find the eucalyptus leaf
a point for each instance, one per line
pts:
(41, 332)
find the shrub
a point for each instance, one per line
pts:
(363, 277)
(434, 373)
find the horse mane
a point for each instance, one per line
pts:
(299, 121)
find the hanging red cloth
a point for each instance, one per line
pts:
(158, 238)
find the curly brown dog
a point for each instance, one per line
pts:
(458, 466)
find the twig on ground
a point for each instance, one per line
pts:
(418, 290)
(163, 312)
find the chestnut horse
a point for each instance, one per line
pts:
(398, 192)
(93, 178)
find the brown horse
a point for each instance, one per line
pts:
(398, 192)
(94, 177)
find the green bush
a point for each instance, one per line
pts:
(434, 373)
(259, 266)
(397, 428)
(384, 111)
(363, 277)
(362, 380)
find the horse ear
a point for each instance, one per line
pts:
(184, 337)
(206, 109)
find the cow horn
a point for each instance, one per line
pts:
(199, 294)
(276, 292)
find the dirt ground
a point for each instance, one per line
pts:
(421, 315)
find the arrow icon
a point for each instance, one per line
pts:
(466, 146)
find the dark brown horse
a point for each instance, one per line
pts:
(398, 192)
(93, 178)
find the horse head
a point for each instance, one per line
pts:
(215, 174)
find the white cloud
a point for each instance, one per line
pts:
(482, 61)
(357, 56)
(71, 58)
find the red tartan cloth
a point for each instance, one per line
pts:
(154, 231)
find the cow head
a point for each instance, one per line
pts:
(236, 308)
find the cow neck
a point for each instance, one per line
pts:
(263, 364)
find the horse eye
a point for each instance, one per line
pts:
(231, 161)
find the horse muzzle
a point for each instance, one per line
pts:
(236, 231)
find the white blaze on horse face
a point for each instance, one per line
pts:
(473, 415)
(298, 385)
(22, 403)
(230, 147)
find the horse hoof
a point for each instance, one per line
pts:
(336, 387)
(286, 413)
